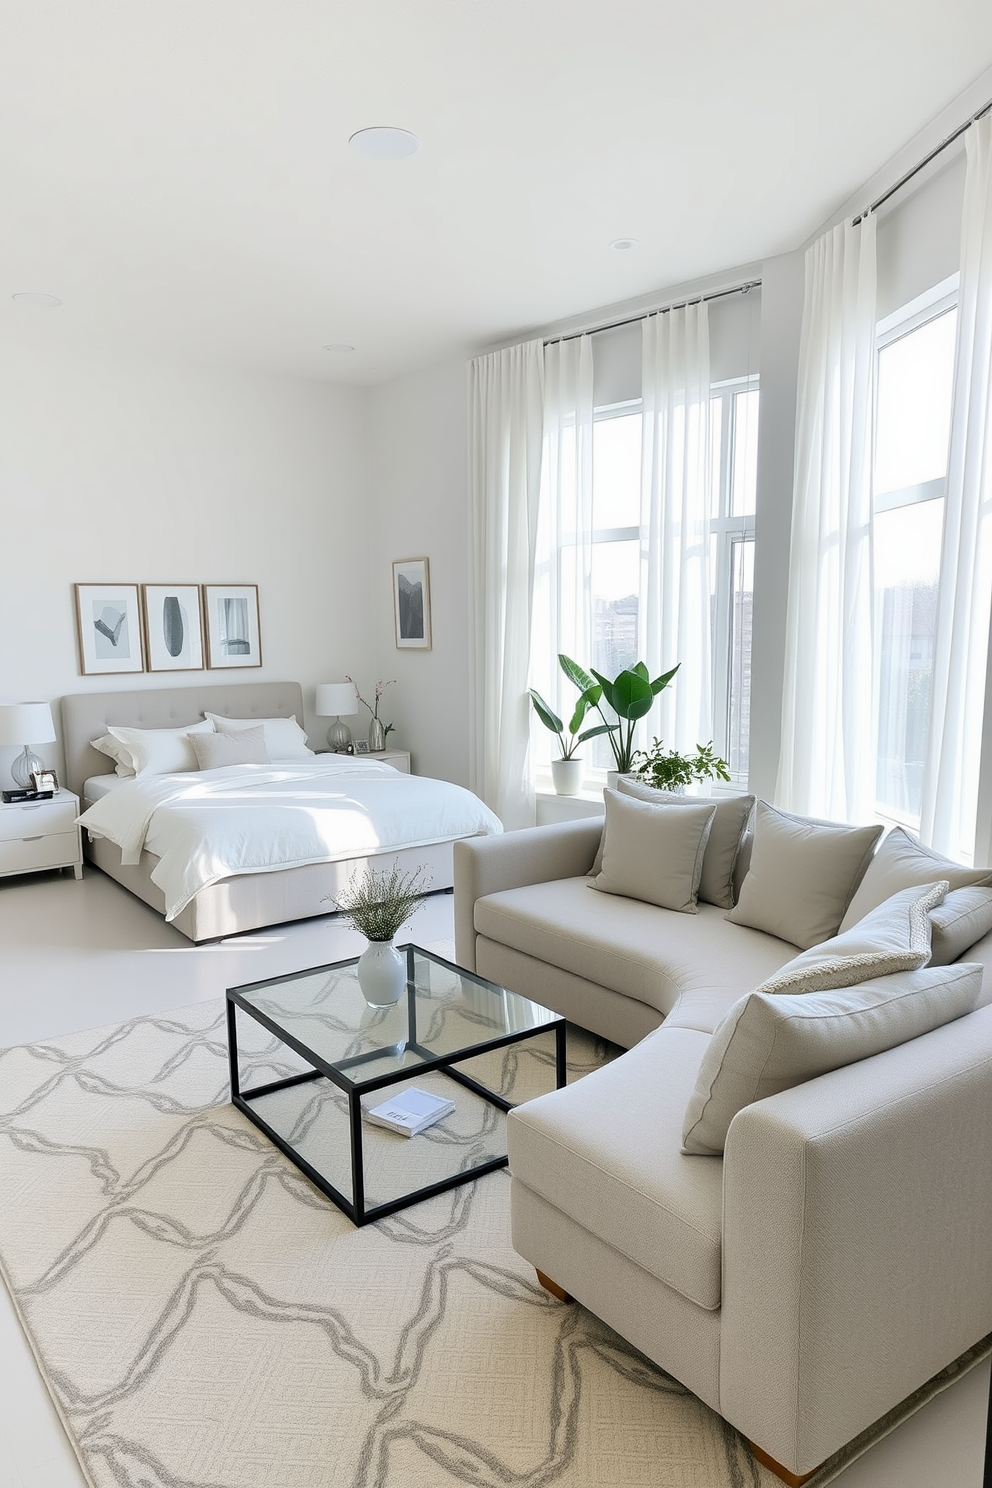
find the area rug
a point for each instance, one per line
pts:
(205, 1318)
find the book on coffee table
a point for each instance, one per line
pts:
(410, 1112)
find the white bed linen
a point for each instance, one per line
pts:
(205, 826)
(99, 785)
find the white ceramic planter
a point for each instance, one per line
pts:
(567, 776)
(381, 973)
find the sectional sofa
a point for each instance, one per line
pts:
(802, 1238)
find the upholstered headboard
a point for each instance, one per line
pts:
(86, 715)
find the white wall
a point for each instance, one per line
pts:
(123, 470)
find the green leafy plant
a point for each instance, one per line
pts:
(378, 900)
(629, 694)
(669, 770)
(588, 698)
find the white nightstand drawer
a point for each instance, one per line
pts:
(20, 819)
(43, 851)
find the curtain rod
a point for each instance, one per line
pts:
(611, 325)
(920, 164)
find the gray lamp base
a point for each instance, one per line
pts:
(24, 764)
(339, 737)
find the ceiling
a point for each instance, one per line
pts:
(178, 171)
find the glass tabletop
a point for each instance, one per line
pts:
(444, 1012)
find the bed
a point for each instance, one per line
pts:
(246, 900)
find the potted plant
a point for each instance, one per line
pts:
(629, 694)
(377, 902)
(667, 769)
(566, 771)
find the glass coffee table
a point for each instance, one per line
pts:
(309, 1056)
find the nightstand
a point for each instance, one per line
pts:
(398, 758)
(40, 834)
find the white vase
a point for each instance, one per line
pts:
(567, 776)
(381, 973)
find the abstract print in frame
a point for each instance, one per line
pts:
(173, 627)
(233, 634)
(108, 625)
(412, 603)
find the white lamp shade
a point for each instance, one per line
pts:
(335, 698)
(26, 723)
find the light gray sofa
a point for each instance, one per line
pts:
(834, 1258)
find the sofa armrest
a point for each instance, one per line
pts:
(857, 1256)
(484, 865)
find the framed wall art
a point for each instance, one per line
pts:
(108, 626)
(173, 627)
(233, 635)
(412, 603)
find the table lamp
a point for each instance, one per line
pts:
(333, 699)
(26, 721)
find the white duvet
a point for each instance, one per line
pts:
(259, 818)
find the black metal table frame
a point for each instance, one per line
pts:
(356, 1208)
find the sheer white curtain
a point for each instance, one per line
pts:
(677, 482)
(506, 390)
(950, 781)
(563, 619)
(827, 762)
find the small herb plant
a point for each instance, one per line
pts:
(378, 900)
(669, 770)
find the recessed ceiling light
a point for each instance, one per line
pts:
(338, 346)
(384, 143)
(33, 297)
(624, 245)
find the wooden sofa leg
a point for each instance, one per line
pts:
(553, 1287)
(794, 1480)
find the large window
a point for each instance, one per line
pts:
(914, 376)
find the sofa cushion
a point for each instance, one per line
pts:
(624, 1179)
(803, 875)
(653, 852)
(716, 883)
(634, 948)
(957, 924)
(769, 1043)
(901, 862)
(893, 937)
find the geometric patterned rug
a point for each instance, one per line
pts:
(204, 1318)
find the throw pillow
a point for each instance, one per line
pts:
(955, 926)
(716, 883)
(653, 853)
(894, 937)
(284, 739)
(802, 876)
(215, 751)
(767, 1043)
(110, 746)
(900, 863)
(160, 751)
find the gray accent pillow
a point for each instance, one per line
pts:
(900, 863)
(803, 874)
(956, 925)
(767, 1043)
(894, 937)
(215, 751)
(716, 884)
(653, 853)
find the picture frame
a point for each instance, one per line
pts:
(108, 629)
(412, 604)
(232, 625)
(44, 780)
(360, 746)
(172, 617)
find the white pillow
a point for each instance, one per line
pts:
(894, 937)
(653, 853)
(716, 882)
(766, 1043)
(802, 876)
(284, 739)
(108, 745)
(160, 751)
(900, 863)
(962, 920)
(216, 751)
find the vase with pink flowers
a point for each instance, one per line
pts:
(378, 731)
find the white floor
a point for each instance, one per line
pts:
(80, 955)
